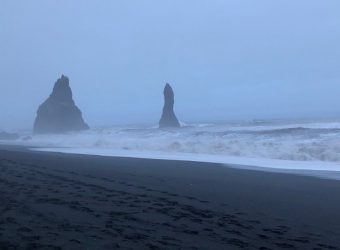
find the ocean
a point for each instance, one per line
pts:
(291, 144)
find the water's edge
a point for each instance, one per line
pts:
(274, 166)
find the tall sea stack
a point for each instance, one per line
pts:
(169, 119)
(59, 114)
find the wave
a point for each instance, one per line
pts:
(308, 142)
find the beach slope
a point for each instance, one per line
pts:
(65, 201)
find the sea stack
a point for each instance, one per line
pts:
(59, 114)
(169, 119)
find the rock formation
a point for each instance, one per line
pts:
(169, 119)
(59, 114)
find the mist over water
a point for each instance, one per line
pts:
(226, 60)
(271, 143)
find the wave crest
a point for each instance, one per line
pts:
(297, 142)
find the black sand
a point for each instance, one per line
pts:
(60, 201)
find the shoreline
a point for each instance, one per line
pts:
(332, 171)
(77, 201)
(329, 174)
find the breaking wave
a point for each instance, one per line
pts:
(286, 141)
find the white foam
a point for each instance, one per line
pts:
(298, 146)
(229, 160)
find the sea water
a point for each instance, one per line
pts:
(276, 144)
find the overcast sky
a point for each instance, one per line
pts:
(226, 59)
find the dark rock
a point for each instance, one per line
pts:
(8, 136)
(169, 119)
(26, 138)
(59, 114)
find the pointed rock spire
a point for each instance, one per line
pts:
(59, 114)
(169, 119)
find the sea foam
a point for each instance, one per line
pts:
(289, 145)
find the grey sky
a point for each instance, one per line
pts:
(240, 59)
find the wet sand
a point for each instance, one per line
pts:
(60, 201)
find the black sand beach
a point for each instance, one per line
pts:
(60, 201)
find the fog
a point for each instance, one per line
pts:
(225, 59)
